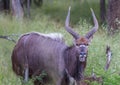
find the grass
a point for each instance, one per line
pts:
(50, 18)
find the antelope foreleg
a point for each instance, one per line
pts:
(26, 73)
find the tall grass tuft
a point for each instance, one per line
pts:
(50, 18)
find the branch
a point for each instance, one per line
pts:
(9, 37)
(108, 56)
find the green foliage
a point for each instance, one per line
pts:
(50, 18)
(40, 77)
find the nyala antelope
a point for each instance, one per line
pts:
(63, 64)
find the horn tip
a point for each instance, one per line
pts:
(91, 10)
(69, 7)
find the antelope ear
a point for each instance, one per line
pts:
(90, 40)
(74, 42)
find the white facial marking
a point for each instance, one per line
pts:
(82, 59)
(82, 45)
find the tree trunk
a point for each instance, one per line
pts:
(28, 8)
(38, 2)
(4, 5)
(17, 9)
(113, 14)
(102, 11)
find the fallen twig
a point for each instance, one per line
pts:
(9, 37)
(108, 56)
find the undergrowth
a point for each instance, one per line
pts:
(50, 18)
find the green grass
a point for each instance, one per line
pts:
(50, 18)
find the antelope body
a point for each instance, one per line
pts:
(36, 52)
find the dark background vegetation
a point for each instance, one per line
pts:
(50, 17)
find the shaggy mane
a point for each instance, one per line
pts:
(54, 36)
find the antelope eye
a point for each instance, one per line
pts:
(86, 44)
(77, 44)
